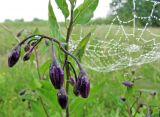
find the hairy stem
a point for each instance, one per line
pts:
(69, 31)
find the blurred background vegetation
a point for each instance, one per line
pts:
(106, 88)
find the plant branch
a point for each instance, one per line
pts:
(69, 31)
(38, 41)
(32, 40)
(56, 41)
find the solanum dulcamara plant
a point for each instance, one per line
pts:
(61, 81)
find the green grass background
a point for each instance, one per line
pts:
(106, 88)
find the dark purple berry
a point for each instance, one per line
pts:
(33, 43)
(85, 87)
(47, 42)
(72, 81)
(82, 85)
(14, 56)
(56, 76)
(20, 33)
(62, 98)
(27, 48)
(27, 55)
(77, 86)
(127, 84)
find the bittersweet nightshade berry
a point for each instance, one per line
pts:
(56, 73)
(27, 56)
(33, 43)
(62, 98)
(85, 87)
(56, 76)
(127, 84)
(72, 81)
(27, 48)
(82, 85)
(77, 86)
(14, 56)
(46, 42)
(20, 33)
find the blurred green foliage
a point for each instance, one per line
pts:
(143, 8)
(106, 88)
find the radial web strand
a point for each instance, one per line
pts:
(114, 47)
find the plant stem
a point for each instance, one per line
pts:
(137, 99)
(74, 71)
(47, 115)
(7, 29)
(69, 31)
(50, 38)
(37, 63)
(54, 61)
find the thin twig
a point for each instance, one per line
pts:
(74, 71)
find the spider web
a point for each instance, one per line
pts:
(123, 46)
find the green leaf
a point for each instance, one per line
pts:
(85, 11)
(36, 31)
(55, 32)
(45, 66)
(37, 109)
(54, 27)
(48, 93)
(32, 57)
(35, 84)
(79, 51)
(63, 6)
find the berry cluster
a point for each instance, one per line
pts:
(81, 83)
